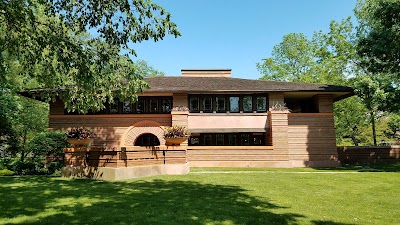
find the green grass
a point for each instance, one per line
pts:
(259, 196)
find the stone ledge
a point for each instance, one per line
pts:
(109, 173)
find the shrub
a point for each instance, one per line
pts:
(6, 172)
(46, 155)
(50, 144)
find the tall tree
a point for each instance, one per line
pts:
(325, 58)
(373, 95)
(379, 35)
(52, 35)
(292, 60)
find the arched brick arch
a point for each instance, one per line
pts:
(133, 132)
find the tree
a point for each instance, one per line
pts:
(379, 35)
(292, 60)
(325, 58)
(350, 124)
(49, 40)
(373, 95)
(393, 130)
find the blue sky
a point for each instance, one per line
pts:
(235, 34)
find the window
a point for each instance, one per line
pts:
(233, 104)
(194, 141)
(221, 103)
(140, 106)
(114, 107)
(194, 104)
(207, 104)
(147, 140)
(232, 139)
(208, 139)
(166, 106)
(245, 139)
(261, 104)
(143, 105)
(153, 106)
(127, 107)
(228, 139)
(219, 139)
(247, 104)
(228, 103)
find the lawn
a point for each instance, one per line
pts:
(208, 196)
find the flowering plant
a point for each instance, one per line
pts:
(80, 133)
(175, 132)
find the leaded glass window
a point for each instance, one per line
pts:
(233, 104)
(248, 104)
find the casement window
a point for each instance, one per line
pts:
(114, 107)
(220, 102)
(194, 104)
(232, 139)
(127, 107)
(144, 105)
(245, 139)
(166, 105)
(219, 139)
(248, 103)
(208, 139)
(207, 104)
(228, 139)
(261, 104)
(234, 104)
(140, 106)
(153, 106)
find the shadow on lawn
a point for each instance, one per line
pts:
(136, 202)
(45, 200)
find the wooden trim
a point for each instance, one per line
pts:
(111, 116)
(155, 94)
(231, 147)
(231, 114)
(309, 114)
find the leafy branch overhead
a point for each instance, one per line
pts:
(60, 43)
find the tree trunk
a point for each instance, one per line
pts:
(373, 127)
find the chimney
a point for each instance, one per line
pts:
(206, 72)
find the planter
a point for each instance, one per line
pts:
(79, 142)
(174, 141)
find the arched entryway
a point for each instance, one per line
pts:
(147, 139)
(140, 128)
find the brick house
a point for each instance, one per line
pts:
(232, 122)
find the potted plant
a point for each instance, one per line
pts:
(80, 136)
(175, 135)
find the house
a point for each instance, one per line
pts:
(232, 122)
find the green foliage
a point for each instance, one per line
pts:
(350, 124)
(292, 59)
(379, 35)
(48, 144)
(48, 42)
(43, 155)
(6, 172)
(326, 58)
(393, 128)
